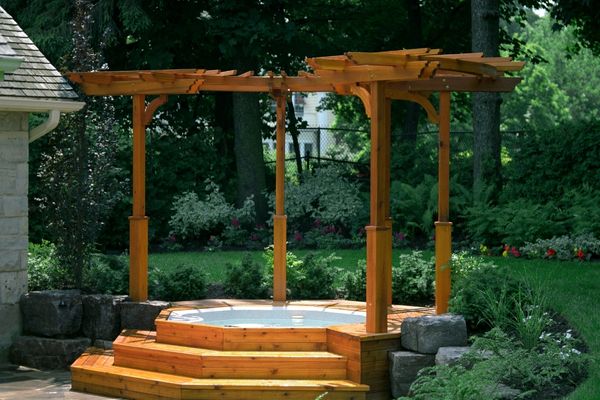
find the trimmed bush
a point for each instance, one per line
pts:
(246, 280)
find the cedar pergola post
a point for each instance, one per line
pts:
(378, 237)
(280, 219)
(443, 226)
(138, 222)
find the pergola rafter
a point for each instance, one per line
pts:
(377, 79)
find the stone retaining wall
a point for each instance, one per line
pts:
(14, 181)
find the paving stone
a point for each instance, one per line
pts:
(428, 333)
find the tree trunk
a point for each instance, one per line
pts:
(485, 31)
(249, 152)
(294, 133)
(415, 40)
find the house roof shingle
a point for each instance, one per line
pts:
(36, 78)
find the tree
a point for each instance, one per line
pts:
(76, 172)
(584, 17)
(485, 32)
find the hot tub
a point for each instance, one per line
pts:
(262, 316)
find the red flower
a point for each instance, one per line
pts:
(298, 236)
(235, 222)
(515, 252)
(580, 254)
(550, 253)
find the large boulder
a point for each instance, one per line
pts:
(52, 313)
(450, 355)
(141, 315)
(404, 368)
(428, 333)
(47, 353)
(101, 316)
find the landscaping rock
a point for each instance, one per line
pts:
(141, 315)
(428, 333)
(47, 353)
(103, 344)
(404, 368)
(502, 392)
(101, 316)
(52, 313)
(450, 355)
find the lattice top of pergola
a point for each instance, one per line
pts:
(405, 70)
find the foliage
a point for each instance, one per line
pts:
(514, 222)
(497, 360)
(311, 277)
(43, 269)
(413, 208)
(194, 218)
(246, 280)
(76, 172)
(107, 275)
(563, 248)
(413, 279)
(185, 282)
(323, 197)
(472, 279)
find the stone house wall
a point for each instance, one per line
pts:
(14, 153)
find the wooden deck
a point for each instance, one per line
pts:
(193, 361)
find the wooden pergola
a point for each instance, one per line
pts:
(376, 78)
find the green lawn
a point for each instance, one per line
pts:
(573, 289)
(215, 263)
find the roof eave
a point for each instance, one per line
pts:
(22, 104)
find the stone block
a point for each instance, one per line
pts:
(450, 355)
(141, 315)
(47, 353)
(404, 368)
(13, 242)
(14, 206)
(8, 181)
(101, 316)
(10, 260)
(13, 225)
(12, 122)
(12, 286)
(103, 344)
(22, 177)
(9, 329)
(428, 333)
(52, 313)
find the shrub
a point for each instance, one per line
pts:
(515, 222)
(471, 278)
(315, 278)
(324, 195)
(246, 280)
(194, 218)
(107, 275)
(312, 277)
(184, 282)
(413, 279)
(43, 269)
(564, 248)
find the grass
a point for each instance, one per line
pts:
(573, 289)
(215, 263)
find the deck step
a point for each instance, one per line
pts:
(241, 339)
(139, 349)
(94, 372)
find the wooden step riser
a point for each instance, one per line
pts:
(95, 382)
(230, 367)
(241, 339)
